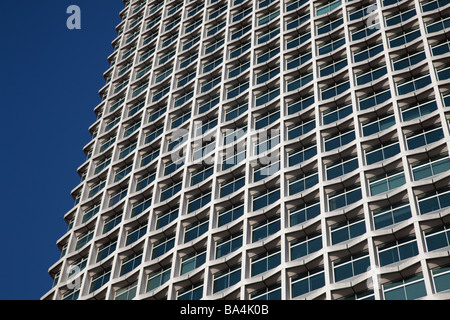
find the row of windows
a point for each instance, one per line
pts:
(265, 141)
(302, 283)
(217, 9)
(302, 180)
(122, 83)
(335, 113)
(404, 86)
(383, 215)
(332, 114)
(394, 18)
(409, 288)
(362, 77)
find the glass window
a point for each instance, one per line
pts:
(300, 103)
(170, 190)
(71, 294)
(296, 41)
(381, 123)
(193, 292)
(435, 26)
(402, 38)
(302, 154)
(337, 88)
(418, 109)
(333, 66)
(196, 229)
(230, 214)
(344, 197)
(84, 238)
(163, 246)
(226, 278)
(406, 86)
(351, 266)
(232, 185)
(237, 90)
(433, 201)
(136, 233)
(298, 60)
(292, 5)
(368, 52)
(241, 14)
(320, 10)
(165, 218)
(390, 215)
(348, 229)
(382, 151)
(441, 279)
(305, 212)
(99, 279)
(339, 139)
(408, 60)
(117, 196)
(267, 74)
(228, 244)
(373, 99)
(331, 45)
(299, 81)
(397, 250)
(267, 18)
(430, 167)
(192, 261)
(342, 166)
(266, 197)
(437, 237)
(265, 261)
(272, 292)
(329, 25)
(265, 228)
(307, 282)
(405, 289)
(106, 249)
(268, 35)
(386, 182)
(303, 182)
(112, 222)
(423, 137)
(199, 201)
(306, 245)
(158, 278)
(266, 96)
(130, 263)
(265, 170)
(91, 212)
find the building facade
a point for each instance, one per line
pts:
(267, 150)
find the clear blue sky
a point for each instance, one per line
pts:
(49, 82)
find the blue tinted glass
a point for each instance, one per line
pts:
(395, 294)
(317, 281)
(442, 282)
(436, 241)
(340, 235)
(408, 250)
(428, 205)
(389, 256)
(343, 272)
(299, 250)
(416, 290)
(300, 287)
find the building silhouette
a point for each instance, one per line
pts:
(267, 150)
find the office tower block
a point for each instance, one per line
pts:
(267, 150)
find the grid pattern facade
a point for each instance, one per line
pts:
(267, 150)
